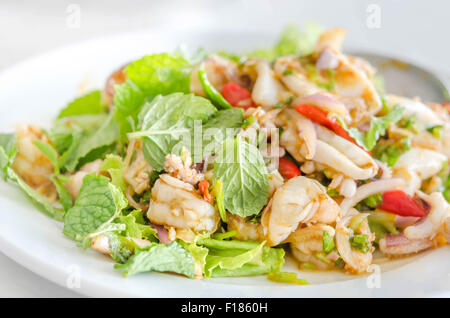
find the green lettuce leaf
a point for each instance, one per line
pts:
(8, 151)
(90, 103)
(98, 203)
(113, 164)
(166, 120)
(160, 258)
(240, 258)
(292, 41)
(241, 168)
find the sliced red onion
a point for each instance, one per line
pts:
(327, 60)
(325, 101)
(163, 235)
(404, 221)
(399, 244)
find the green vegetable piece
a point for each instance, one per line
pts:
(8, 152)
(223, 236)
(360, 242)
(90, 103)
(218, 194)
(286, 277)
(98, 203)
(160, 258)
(216, 98)
(241, 168)
(113, 164)
(373, 201)
(436, 130)
(328, 242)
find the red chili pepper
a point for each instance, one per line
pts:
(319, 116)
(237, 96)
(287, 168)
(203, 186)
(398, 202)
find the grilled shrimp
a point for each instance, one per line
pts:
(76, 179)
(299, 200)
(30, 163)
(306, 242)
(219, 71)
(416, 165)
(245, 229)
(356, 261)
(175, 203)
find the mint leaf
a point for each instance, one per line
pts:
(97, 204)
(378, 127)
(160, 258)
(222, 125)
(166, 120)
(83, 138)
(90, 103)
(241, 168)
(161, 73)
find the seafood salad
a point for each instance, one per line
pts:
(219, 164)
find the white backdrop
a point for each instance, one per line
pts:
(416, 29)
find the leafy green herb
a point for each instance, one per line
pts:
(166, 120)
(288, 72)
(328, 242)
(98, 203)
(83, 138)
(286, 277)
(49, 152)
(378, 127)
(90, 103)
(160, 258)
(147, 77)
(241, 168)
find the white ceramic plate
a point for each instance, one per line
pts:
(34, 91)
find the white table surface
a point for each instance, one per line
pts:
(413, 28)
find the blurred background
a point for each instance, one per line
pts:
(414, 29)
